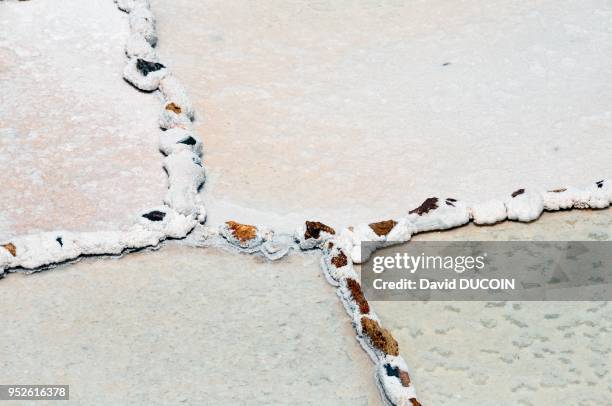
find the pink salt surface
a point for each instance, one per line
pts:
(78, 145)
(345, 111)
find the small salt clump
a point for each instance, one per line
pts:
(171, 116)
(178, 139)
(524, 205)
(144, 75)
(490, 212)
(174, 92)
(312, 233)
(186, 175)
(439, 214)
(243, 236)
(138, 47)
(394, 382)
(142, 22)
(167, 221)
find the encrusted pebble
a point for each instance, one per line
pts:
(524, 205)
(177, 139)
(174, 92)
(357, 295)
(138, 47)
(146, 82)
(382, 228)
(428, 205)
(244, 236)
(380, 338)
(10, 247)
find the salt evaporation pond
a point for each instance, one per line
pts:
(352, 111)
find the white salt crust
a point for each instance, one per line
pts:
(490, 212)
(179, 139)
(184, 210)
(186, 175)
(526, 206)
(169, 119)
(390, 386)
(174, 92)
(142, 22)
(138, 47)
(309, 243)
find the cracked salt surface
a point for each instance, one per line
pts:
(78, 146)
(312, 107)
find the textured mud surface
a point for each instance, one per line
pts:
(78, 146)
(185, 326)
(527, 353)
(309, 107)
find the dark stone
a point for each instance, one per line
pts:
(188, 141)
(339, 260)
(392, 371)
(518, 192)
(146, 67)
(154, 215)
(425, 207)
(599, 184)
(314, 228)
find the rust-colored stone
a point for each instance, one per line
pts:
(314, 228)
(429, 204)
(355, 288)
(415, 402)
(242, 232)
(10, 247)
(558, 190)
(404, 378)
(340, 260)
(381, 338)
(382, 227)
(174, 107)
(518, 192)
